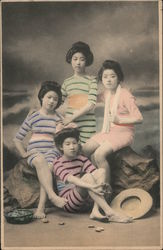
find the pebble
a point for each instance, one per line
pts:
(44, 220)
(99, 229)
(61, 223)
(91, 226)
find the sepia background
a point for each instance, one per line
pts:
(37, 35)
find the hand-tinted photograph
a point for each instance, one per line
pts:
(81, 111)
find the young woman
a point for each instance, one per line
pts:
(41, 149)
(77, 178)
(120, 115)
(81, 91)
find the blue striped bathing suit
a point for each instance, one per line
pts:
(42, 140)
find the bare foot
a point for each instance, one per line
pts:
(58, 201)
(39, 214)
(96, 215)
(119, 218)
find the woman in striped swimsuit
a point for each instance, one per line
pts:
(77, 178)
(81, 91)
(41, 149)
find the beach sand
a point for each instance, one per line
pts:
(75, 233)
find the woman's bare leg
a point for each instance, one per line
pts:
(100, 201)
(40, 212)
(89, 147)
(45, 178)
(100, 155)
(99, 177)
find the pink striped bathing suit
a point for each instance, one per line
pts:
(62, 169)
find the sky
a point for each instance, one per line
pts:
(37, 35)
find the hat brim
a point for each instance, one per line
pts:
(133, 202)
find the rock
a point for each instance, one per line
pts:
(45, 220)
(91, 226)
(130, 170)
(61, 223)
(99, 229)
(22, 184)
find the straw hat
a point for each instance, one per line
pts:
(134, 202)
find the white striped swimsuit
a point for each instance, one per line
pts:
(81, 90)
(42, 140)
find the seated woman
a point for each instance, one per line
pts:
(41, 149)
(120, 115)
(77, 178)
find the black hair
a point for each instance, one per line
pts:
(84, 49)
(50, 86)
(110, 64)
(64, 134)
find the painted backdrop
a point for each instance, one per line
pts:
(37, 35)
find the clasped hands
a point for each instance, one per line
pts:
(101, 189)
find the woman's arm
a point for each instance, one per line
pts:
(78, 113)
(127, 120)
(92, 98)
(20, 147)
(134, 115)
(21, 134)
(96, 188)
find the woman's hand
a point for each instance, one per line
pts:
(98, 189)
(25, 155)
(67, 120)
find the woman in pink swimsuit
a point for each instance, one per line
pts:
(120, 115)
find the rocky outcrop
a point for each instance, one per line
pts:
(128, 169)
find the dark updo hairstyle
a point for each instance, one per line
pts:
(84, 49)
(64, 134)
(50, 86)
(109, 64)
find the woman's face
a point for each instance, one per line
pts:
(78, 62)
(110, 79)
(50, 101)
(70, 148)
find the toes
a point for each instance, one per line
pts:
(39, 216)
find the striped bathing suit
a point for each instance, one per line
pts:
(62, 169)
(42, 140)
(81, 90)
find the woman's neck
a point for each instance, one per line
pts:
(46, 112)
(68, 158)
(112, 91)
(80, 74)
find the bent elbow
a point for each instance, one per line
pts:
(140, 120)
(91, 106)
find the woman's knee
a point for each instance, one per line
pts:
(38, 161)
(101, 154)
(89, 147)
(88, 178)
(100, 172)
